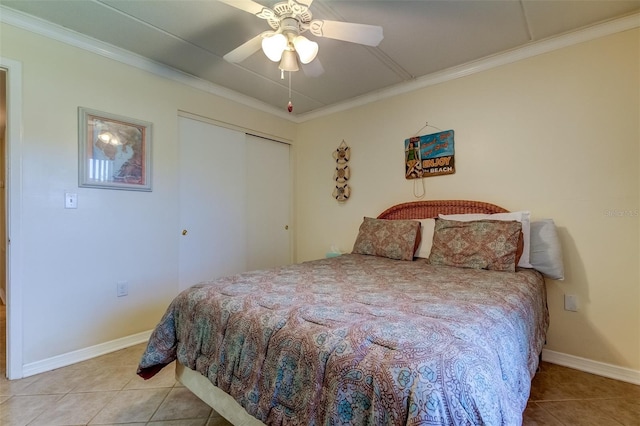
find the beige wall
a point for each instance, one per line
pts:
(555, 134)
(74, 258)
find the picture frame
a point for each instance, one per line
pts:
(114, 151)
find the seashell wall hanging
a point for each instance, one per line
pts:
(342, 173)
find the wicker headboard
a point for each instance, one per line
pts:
(431, 208)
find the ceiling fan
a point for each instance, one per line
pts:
(289, 19)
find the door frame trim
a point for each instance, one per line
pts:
(230, 126)
(13, 188)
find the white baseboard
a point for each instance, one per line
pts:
(84, 354)
(595, 367)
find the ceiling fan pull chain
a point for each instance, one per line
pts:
(290, 105)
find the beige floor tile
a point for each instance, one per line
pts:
(556, 383)
(166, 378)
(182, 404)
(74, 409)
(189, 422)
(218, 421)
(60, 381)
(534, 415)
(591, 386)
(105, 378)
(131, 406)
(626, 410)
(126, 424)
(20, 410)
(579, 413)
(14, 387)
(125, 357)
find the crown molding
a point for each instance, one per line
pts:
(530, 50)
(73, 38)
(55, 32)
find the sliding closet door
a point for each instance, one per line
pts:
(235, 202)
(213, 194)
(268, 202)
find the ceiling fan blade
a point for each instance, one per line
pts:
(246, 5)
(313, 68)
(370, 35)
(246, 49)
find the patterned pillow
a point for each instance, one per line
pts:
(524, 217)
(478, 244)
(395, 239)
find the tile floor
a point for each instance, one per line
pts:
(106, 391)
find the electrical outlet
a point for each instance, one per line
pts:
(122, 288)
(570, 303)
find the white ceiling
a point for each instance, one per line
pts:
(420, 38)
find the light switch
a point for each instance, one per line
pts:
(70, 200)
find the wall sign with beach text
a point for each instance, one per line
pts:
(429, 155)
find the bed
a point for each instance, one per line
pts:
(366, 338)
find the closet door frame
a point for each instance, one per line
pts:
(247, 133)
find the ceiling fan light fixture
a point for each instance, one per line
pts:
(274, 46)
(289, 61)
(307, 49)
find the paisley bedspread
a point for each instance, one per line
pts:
(362, 340)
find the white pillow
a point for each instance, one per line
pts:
(524, 217)
(428, 227)
(546, 252)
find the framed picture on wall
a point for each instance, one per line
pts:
(114, 151)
